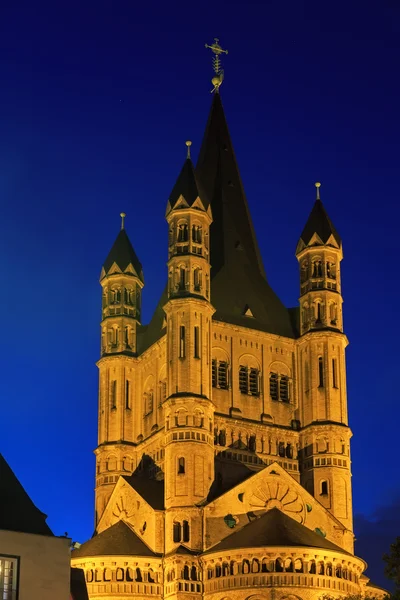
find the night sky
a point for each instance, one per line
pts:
(96, 102)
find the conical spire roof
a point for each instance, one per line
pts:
(218, 173)
(187, 186)
(123, 254)
(319, 223)
(238, 284)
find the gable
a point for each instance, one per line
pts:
(270, 488)
(127, 504)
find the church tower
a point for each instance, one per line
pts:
(223, 460)
(188, 409)
(325, 457)
(122, 281)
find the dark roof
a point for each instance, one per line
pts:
(238, 278)
(122, 253)
(187, 186)
(117, 540)
(274, 528)
(78, 585)
(319, 223)
(151, 490)
(17, 511)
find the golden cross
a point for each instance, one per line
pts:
(219, 74)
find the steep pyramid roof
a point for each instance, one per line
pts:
(274, 528)
(117, 540)
(187, 186)
(238, 278)
(319, 223)
(123, 254)
(17, 511)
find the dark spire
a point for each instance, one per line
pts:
(187, 186)
(238, 284)
(123, 254)
(218, 172)
(319, 223)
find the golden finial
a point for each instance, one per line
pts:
(188, 144)
(219, 73)
(122, 215)
(318, 185)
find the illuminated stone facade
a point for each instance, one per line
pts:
(223, 458)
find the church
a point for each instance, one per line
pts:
(223, 461)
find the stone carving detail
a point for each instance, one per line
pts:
(277, 494)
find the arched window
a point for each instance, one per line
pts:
(119, 575)
(298, 565)
(138, 574)
(185, 574)
(321, 568)
(279, 565)
(89, 575)
(281, 449)
(284, 388)
(252, 443)
(129, 574)
(181, 465)
(289, 565)
(225, 569)
(334, 373)
(176, 532)
(218, 571)
(196, 234)
(339, 571)
(148, 402)
(185, 531)
(107, 574)
(273, 386)
(312, 569)
(324, 487)
(198, 418)
(182, 279)
(245, 567)
(222, 437)
(329, 570)
(182, 232)
(193, 574)
(321, 372)
(197, 280)
(113, 394)
(181, 417)
(289, 451)
(255, 565)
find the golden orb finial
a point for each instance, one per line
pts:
(188, 144)
(318, 185)
(122, 215)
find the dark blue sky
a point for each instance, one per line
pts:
(96, 102)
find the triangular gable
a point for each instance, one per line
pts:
(181, 203)
(127, 504)
(114, 269)
(315, 240)
(247, 311)
(273, 487)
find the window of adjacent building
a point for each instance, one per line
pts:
(181, 466)
(182, 341)
(113, 394)
(196, 342)
(127, 394)
(320, 372)
(8, 577)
